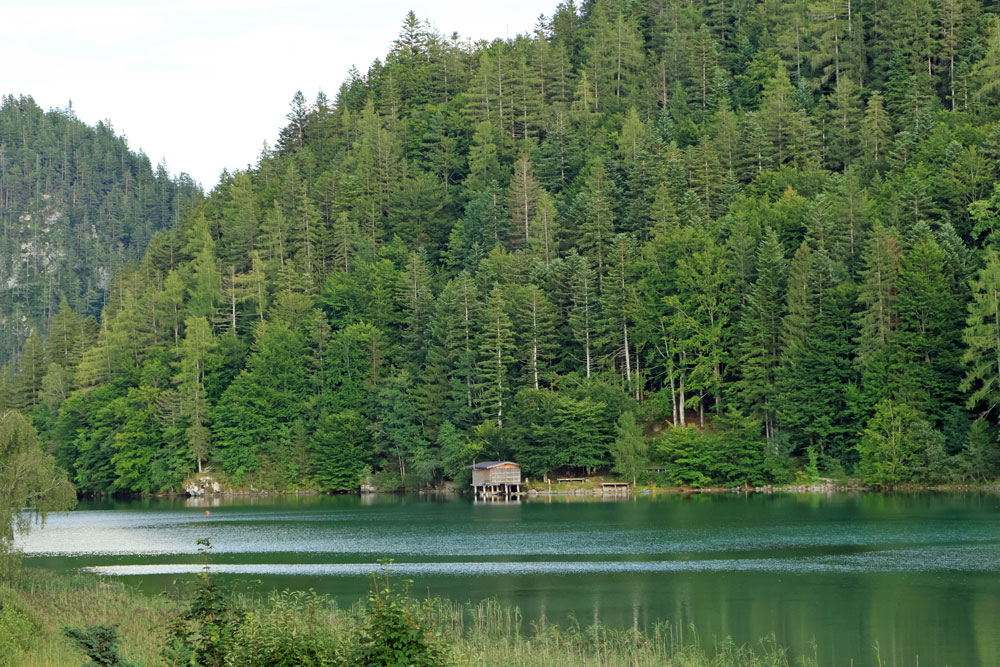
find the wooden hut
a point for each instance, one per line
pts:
(496, 478)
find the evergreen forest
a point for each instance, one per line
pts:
(738, 242)
(75, 204)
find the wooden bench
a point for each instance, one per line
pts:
(571, 479)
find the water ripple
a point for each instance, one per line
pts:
(897, 560)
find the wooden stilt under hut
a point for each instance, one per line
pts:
(496, 479)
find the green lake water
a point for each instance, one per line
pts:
(919, 574)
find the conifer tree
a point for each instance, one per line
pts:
(32, 367)
(544, 240)
(987, 71)
(526, 95)
(829, 23)
(190, 382)
(496, 354)
(585, 311)
(844, 120)
(535, 326)
(61, 342)
(631, 137)
(951, 18)
(788, 129)
(206, 288)
(705, 173)
(701, 307)
(877, 295)
(523, 194)
(886, 448)
(401, 437)
(593, 205)
(982, 337)
(703, 58)
(663, 212)
(618, 299)
(484, 165)
(925, 350)
(763, 327)
(416, 299)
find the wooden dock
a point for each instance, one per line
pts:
(615, 487)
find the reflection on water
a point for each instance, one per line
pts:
(203, 501)
(916, 573)
(913, 560)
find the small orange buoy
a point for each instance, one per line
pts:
(207, 512)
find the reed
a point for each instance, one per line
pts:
(53, 602)
(472, 634)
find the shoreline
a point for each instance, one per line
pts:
(824, 488)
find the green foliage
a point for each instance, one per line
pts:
(290, 629)
(18, 629)
(393, 632)
(77, 204)
(338, 452)
(629, 449)
(203, 633)
(732, 455)
(31, 485)
(979, 459)
(100, 644)
(552, 430)
(742, 211)
(254, 418)
(887, 447)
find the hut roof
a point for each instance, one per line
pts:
(486, 465)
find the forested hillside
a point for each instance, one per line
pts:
(763, 231)
(75, 203)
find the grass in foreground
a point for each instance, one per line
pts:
(215, 627)
(35, 606)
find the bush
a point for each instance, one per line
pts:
(291, 630)
(17, 628)
(203, 633)
(393, 632)
(734, 454)
(100, 644)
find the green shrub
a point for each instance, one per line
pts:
(203, 633)
(17, 628)
(100, 644)
(393, 632)
(293, 629)
(733, 453)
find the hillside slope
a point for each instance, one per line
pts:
(774, 220)
(75, 203)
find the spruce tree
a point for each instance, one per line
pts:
(190, 382)
(762, 326)
(496, 355)
(982, 337)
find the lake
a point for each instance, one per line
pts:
(919, 574)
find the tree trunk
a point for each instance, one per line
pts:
(683, 401)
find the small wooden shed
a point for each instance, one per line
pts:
(496, 478)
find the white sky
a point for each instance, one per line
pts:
(204, 83)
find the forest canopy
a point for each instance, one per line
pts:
(765, 231)
(75, 203)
